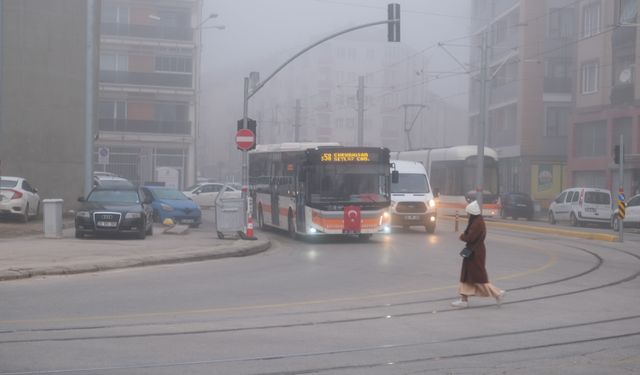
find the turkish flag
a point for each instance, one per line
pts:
(352, 223)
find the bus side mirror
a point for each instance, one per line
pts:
(395, 177)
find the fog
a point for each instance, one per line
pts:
(261, 35)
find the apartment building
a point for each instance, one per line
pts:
(147, 122)
(607, 97)
(530, 96)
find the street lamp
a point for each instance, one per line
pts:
(197, 84)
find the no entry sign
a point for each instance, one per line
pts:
(245, 139)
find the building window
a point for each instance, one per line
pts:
(179, 64)
(622, 126)
(591, 19)
(590, 139)
(114, 14)
(561, 22)
(499, 31)
(556, 122)
(589, 74)
(628, 11)
(114, 62)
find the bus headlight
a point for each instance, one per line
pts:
(432, 203)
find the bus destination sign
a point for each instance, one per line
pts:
(345, 157)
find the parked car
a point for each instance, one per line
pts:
(631, 214)
(516, 205)
(18, 198)
(110, 180)
(115, 210)
(582, 205)
(205, 193)
(169, 203)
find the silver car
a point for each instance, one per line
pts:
(18, 198)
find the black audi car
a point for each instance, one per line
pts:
(516, 205)
(115, 210)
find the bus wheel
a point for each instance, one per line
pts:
(292, 227)
(364, 236)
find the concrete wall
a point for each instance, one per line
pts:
(43, 95)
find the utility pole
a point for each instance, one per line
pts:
(407, 129)
(360, 96)
(296, 124)
(484, 114)
(90, 69)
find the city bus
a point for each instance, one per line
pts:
(452, 172)
(314, 189)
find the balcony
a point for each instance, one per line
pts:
(558, 85)
(144, 126)
(147, 31)
(623, 35)
(147, 79)
(622, 94)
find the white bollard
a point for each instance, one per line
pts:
(53, 218)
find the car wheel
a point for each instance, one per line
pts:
(573, 220)
(430, 228)
(552, 219)
(25, 216)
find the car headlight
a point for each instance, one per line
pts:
(432, 203)
(83, 214)
(166, 207)
(133, 215)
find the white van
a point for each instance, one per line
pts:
(412, 200)
(582, 205)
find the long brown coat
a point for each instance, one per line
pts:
(473, 268)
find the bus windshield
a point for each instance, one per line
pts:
(348, 183)
(411, 183)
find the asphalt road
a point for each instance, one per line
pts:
(338, 307)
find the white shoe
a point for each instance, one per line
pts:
(460, 303)
(500, 296)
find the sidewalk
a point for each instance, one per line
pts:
(25, 252)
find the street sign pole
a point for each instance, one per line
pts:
(245, 169)
(621, 201)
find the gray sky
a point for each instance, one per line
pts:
(261, 29)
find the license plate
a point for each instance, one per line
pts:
(187, 221)
(110, 224)
(411, 217)
(590, 209)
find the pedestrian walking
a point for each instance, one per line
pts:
(474, 280)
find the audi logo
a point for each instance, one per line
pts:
(107, 217)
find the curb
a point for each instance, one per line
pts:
(25, 273)
(560, 232)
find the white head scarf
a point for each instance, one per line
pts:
(473, 208)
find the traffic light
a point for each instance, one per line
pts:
(393, 26)
(616, 154)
